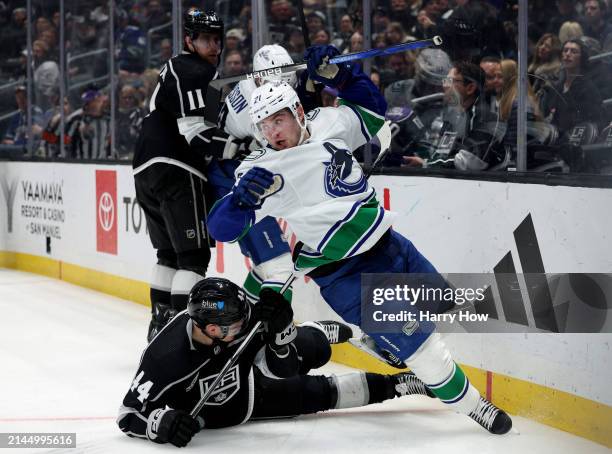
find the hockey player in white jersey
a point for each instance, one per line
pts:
(307, 175)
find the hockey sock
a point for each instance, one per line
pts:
(357, 389)
(182, 283)
(252, 286)
(432, 363)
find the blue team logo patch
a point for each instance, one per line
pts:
(338, 169)
(220, 305)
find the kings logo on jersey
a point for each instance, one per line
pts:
(338, 170)
(225, 390)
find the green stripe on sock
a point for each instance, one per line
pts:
(251, 285)
(452, 388)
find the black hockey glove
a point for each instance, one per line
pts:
(320, 70)
(276, 312)
(248, 191)
(172, 426)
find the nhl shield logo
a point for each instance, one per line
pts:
(225, 390)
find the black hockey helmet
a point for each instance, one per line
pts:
(218, 301)
(200, 21)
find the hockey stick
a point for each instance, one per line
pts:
(232, 361)
(213, 92)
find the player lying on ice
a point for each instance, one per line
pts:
(307, 175)
(269, 379)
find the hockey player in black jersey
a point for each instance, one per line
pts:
(169, 166)
(269, 379)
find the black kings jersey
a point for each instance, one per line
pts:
(174, 132)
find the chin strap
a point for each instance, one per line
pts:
(303, 129)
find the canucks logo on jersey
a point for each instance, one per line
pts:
(338, 169)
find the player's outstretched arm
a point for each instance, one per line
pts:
(232, 216)
(356, 90)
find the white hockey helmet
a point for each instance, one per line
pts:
(271, 98)
(270, 56)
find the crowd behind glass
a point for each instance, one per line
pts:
(449, 107)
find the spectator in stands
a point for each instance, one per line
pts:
(295, 44)
(128, 122)
(14, 33)
(49, 37)
(426, 26)
(51, 135)
(165, 51)
(574, 98)
(17, 130)
(472, 136)
(404, 12)
(345, 31)
(493, 81)
(149, 82)
(546, 62)
(315, 21)
(508, 104)
(570, 30)
(321, 38)
(596, 24)
(395, 34)
(132, 42)
(356, 43)
(233, 39)
(566, 12)
(281, 18)
(375, 78)
(233, 63)
(380, 20)
(400, 67)
(156, 15)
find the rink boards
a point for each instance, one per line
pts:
(80, 223)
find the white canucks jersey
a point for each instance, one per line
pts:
(238, 123)
(321, 190)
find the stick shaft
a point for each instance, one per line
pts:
(385, 51)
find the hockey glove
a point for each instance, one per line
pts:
(253, 184)
(319, 70)
(172, 426)
(274, 310)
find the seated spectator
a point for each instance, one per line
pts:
(342, 37)
(493, 81)
(17, 130)
(88, 128)
(546, 62)
(508, 104)
(165, 51)
(395, 34)
(566, 12)
(233, 39)
(15, 33)
(315, 21)
(321, 38)
(405, 11)
(356, 43)
(469, 136)
(574, 98)
(282, 18)
(400, 67)
(51, 135)
(596, 24)
(149, 82)
(380, 20)
(431, 68)
(570, 30)
(295, 44)
(233, 63)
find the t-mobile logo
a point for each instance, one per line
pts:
(9, 190)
